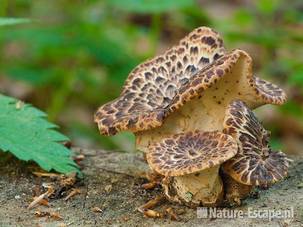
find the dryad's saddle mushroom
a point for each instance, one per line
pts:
(191, 160)
(255, 164)
(183, 108)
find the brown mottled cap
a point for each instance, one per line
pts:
(151, 87)
(160, 86)
(190, 152)
(270, 93)
(255, 163)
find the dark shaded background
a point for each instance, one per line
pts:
(75, 55)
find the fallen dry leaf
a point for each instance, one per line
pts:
(108, 188)
(172, 214)
(126, 218)
(97, 210)
(151, 203)
(74, 192)
(150, 185)
(62, 225)
(43, 174)
(43, 202)
(56, 216)
(19, 105)
(41, 214)
(152, 214)
(79, 158)
(41, 197)
(68, 180)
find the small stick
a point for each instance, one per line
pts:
(41, 174)
(42, 202)
(74, 192)
(152, 214)
(56, 216)
(38, 199)
(172, 214)
(97, 210)
(150, 185)
(151, 203)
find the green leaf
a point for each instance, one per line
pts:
(150, 6)
(12, 21)
(296, 78)
(276, 144)
(267, 6)
(243, 17)
(26, 133)
(292, 108)
(33, 76)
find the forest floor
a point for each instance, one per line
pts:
(111, 192)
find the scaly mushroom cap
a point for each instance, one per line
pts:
(255, 162)
(151, 86)
(160, 86)
(271, 93)
(190, 152)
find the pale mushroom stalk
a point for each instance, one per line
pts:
(204, 188)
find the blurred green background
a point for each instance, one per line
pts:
(74, 55)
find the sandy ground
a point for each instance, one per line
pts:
(112, 182)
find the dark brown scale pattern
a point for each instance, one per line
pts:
(204, 79)
(256, 163)
(268, 91)
(151, 86)
(190, 152)
(160, 86)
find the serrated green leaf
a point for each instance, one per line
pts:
(26, 133)
(12, 21)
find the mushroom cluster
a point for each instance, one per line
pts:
(191, 112)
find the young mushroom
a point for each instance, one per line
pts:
(190, 163)
(255, 164)
(187, 88)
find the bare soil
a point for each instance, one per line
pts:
(113, 183)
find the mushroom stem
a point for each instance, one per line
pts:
(235, 191)
(202, 188)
